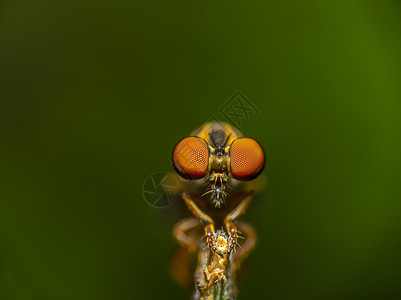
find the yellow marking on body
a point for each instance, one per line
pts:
(207, 128)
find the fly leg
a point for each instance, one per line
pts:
(230, 219)
(185, 232)
(250, 240)
(181, 233)
(206, 220)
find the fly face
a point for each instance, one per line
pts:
(217, 153)
(219, 162)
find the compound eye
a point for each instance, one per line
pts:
(191, 157)
(247, 159)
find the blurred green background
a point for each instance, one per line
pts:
(94, 95)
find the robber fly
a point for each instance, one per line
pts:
(218, 167)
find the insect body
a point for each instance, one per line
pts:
(218, 166)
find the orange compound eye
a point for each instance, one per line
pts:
(247, 159)
(191, 157)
